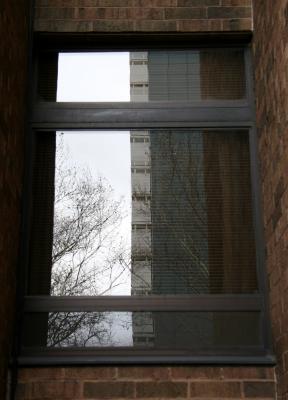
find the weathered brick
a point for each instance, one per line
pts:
(198, 3)
(236, 3)
(113, 26)
(195, 372)
(66, 26)
(122, 13)
(222, 373)
(56, 3)
(229, 12)
(143, 373)
(155, 3)
(246, 373)
(104, 3)
(90, 373)
(243, 24)
(55, 13)
(54, 389)
(155, 26)
(185, 13)
(40, 374)
(142, 13)
(215, 389)
(171, 390)
(91, 13)
(109, 390)
(199, 25)
(141, 16)
(259, 389)
(270, 48)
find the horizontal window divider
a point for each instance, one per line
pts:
(116, 41)
(141, 303)
(144, 117)
(143, 105)
(125, 350)
(110, 126)
(70, 358)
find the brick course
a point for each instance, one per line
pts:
(271, 87)
(143, 15)
(189, 382)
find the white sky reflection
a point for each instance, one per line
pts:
(101, 77)
(91, 77)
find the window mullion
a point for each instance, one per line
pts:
(150, 303)
(71, 116)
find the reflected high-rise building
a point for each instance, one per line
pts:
(186, 212)
(141, 280)
(162, 264)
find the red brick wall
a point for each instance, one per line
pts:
(146, 383)
(13, 56)
(271, 80)
(143, 15)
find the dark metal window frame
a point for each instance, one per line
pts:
(52, 116)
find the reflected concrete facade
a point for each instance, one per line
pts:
(141, 279)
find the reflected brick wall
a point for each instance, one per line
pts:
(271, 84)
(13, 56)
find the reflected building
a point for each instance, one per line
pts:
(188, 190)
(141, 279)
(162, 262)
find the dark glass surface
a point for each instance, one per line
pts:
(153, 330)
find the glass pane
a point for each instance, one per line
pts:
(153, 330)
(160, 212)
(187, 75)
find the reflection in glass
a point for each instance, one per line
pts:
(192, 229)
(159, 212)
(92, 215)
(186, 75)
(156, 330)
(93, 77)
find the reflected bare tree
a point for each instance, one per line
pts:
(89, 257)
(179, 211)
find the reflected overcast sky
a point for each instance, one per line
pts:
(93, 77)
(100, 77)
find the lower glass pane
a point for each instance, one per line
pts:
(151, 330)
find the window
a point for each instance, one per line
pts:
(145, 238)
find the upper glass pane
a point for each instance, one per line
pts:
(162, 212)
(186, 75)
